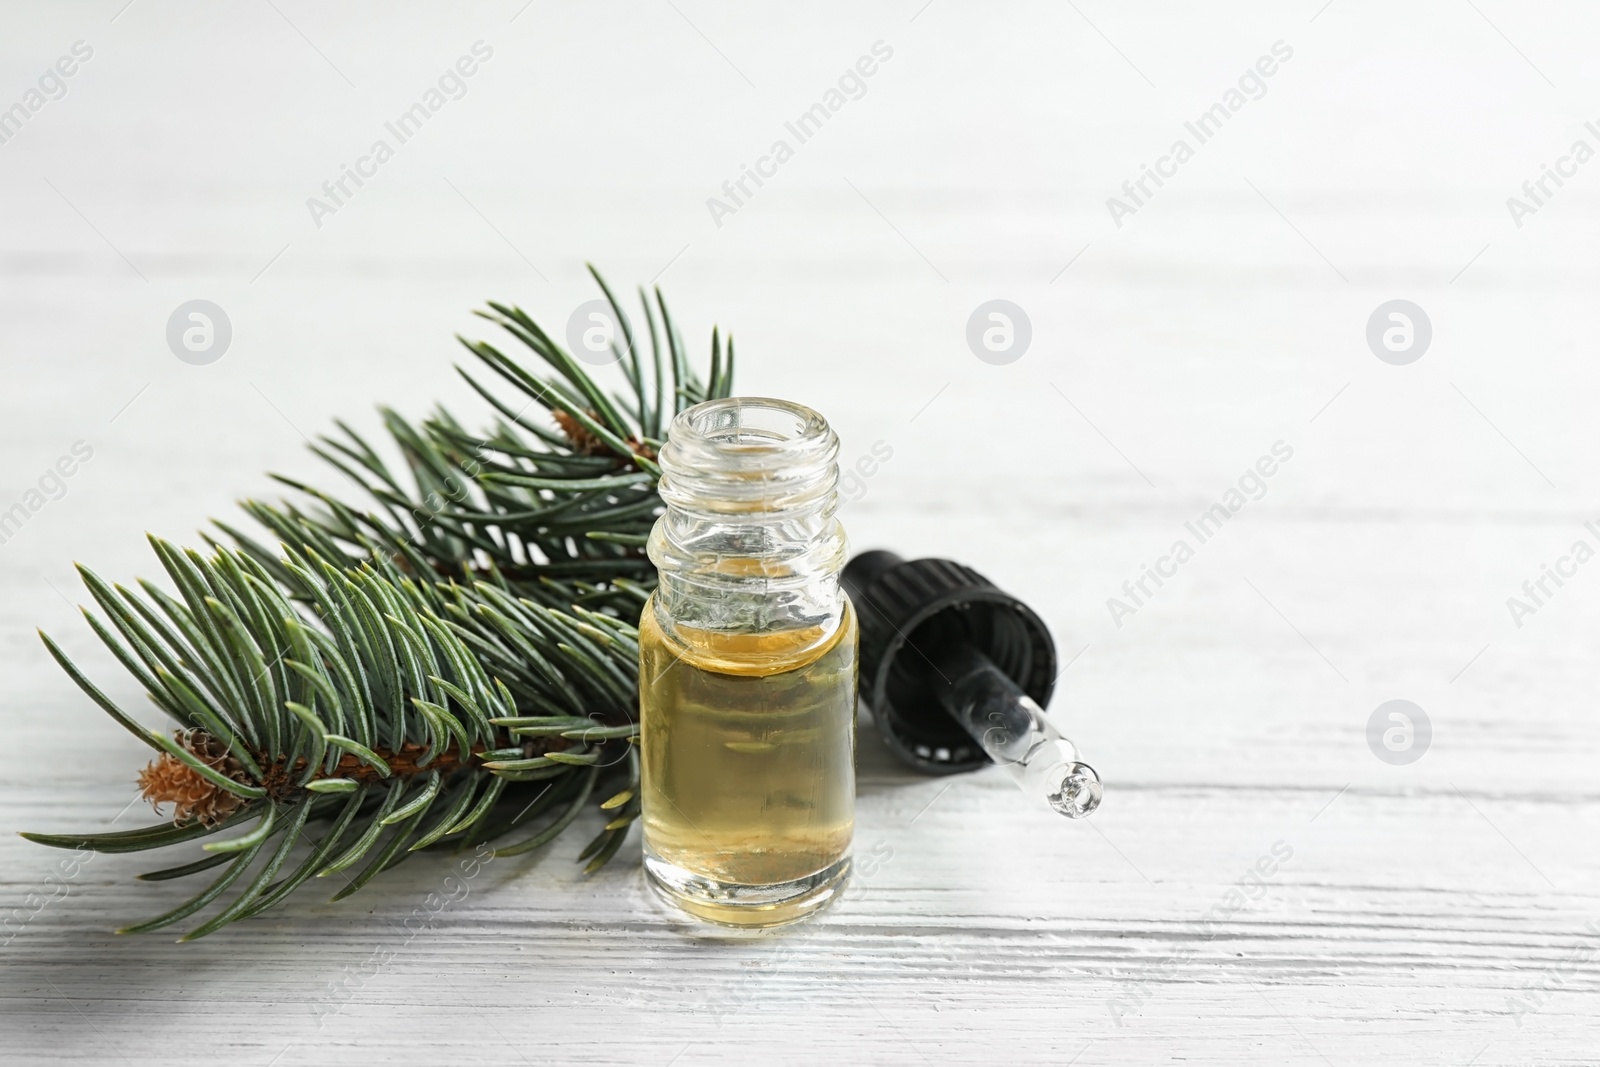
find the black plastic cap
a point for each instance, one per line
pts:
(911, 615)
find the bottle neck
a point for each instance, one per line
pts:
(750, 542)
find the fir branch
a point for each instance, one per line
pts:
(417, 667)
(401, 667)
(559, 511)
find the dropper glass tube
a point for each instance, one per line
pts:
(1014, 732)
(957, 671)
(748, 668)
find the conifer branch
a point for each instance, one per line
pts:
(447, 664)
(366, 695)
(556, 511)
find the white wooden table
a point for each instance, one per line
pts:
(1441, 912)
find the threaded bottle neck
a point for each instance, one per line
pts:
(750, 539)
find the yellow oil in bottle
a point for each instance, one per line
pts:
(748, 773)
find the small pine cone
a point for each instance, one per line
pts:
(583, 441)
(168, 780)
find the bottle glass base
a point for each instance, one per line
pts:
(747, 906)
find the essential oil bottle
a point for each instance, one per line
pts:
(747, 671)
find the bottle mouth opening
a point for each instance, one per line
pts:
(749, 456)
(750, 424)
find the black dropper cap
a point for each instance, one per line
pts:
(935, 635)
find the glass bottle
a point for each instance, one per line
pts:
(747, 668)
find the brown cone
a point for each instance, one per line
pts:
(168, 780)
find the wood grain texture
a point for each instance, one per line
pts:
(1445, 912)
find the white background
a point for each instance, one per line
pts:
(1430, 913)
